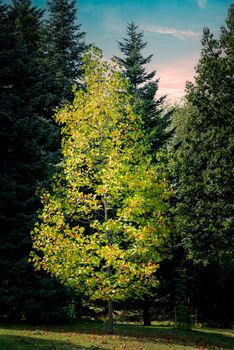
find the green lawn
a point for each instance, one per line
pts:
(91, 335)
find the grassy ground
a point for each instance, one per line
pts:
(91, 335)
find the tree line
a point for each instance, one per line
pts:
(118, 195)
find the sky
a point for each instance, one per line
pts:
(172, 30)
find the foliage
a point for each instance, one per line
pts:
(28, 142)
(143, 87)
(103, 229)
(205, 180)
(65, 45)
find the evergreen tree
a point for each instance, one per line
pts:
(65, 47)
(143, 87)
(204, 182)
(28, 142)
(205, 213)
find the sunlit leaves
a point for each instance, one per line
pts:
(103, 228)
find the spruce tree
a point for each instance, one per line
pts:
(143, 86)
(28, 142)
(65, 47)
(205, 213)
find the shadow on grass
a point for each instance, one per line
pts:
(198, 338)
(14, 342)
(208, 339)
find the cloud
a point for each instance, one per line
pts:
(178, 33)
(202, 3)
(173, 77)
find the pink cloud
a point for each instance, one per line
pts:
(173, 77)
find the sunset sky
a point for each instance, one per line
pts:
(172, 29)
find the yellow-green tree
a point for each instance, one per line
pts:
(103, 227)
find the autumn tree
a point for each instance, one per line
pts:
(103, 227)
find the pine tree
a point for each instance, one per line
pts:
(28, 142)
(143, 87)
(65, 47)
(205, 155)
(103, 226)
(205, 211)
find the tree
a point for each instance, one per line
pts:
(205, 211)
(143, 87)
(28, 142)
(65, 47)
(103, 228)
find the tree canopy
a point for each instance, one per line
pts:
(104, 227)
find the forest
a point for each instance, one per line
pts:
(115, 204)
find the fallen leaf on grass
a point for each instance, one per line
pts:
(123, 346)
(93, 337)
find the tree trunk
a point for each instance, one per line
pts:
(110, 304)
(146, 311)
(110, 317)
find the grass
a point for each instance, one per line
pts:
(91, 335)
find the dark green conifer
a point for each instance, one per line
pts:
(27, 145)
(143, 87)
(205, 156)
(65, 47)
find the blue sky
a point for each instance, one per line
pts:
(172, 29)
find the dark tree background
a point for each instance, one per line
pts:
(204, 177)
(29, 147)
